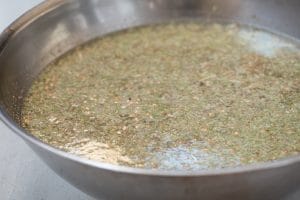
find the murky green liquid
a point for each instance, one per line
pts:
(178, 96)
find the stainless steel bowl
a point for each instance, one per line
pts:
(55, 27)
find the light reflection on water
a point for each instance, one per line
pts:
(194, 157)
(265, 43)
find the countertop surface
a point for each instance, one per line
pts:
(23, 176)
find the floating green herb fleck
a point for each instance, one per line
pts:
(177, 96)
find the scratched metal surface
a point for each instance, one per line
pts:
(23, 176)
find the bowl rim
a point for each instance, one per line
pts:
(47, 6)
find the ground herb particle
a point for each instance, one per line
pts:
(178, 96)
